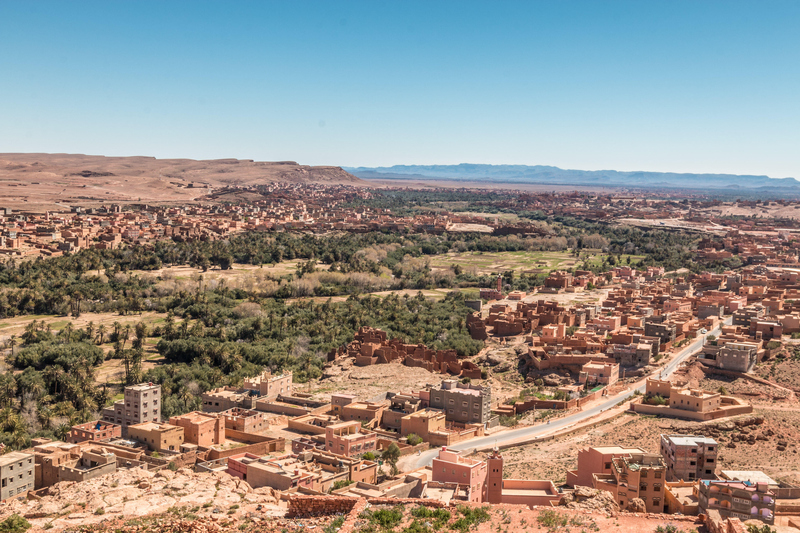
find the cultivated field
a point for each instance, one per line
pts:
(519, 262)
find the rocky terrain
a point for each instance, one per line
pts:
(37, 182)
(130, 494)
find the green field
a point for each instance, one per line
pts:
(523, 262)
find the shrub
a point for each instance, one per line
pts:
(340, 483)
(414, 439)
(14, 524)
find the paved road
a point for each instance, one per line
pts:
(426, 458)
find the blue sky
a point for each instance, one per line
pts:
(686, 86)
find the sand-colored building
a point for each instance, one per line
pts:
(157, 437)
(202, 429)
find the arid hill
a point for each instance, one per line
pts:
(36, 182)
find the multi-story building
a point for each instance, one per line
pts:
(688, 457)
(743, 316)
(269, 387)
(16, 474)
(736, 356)
(596, 460)
(450, 467)
(657, 326)
(741, 499)
(462, 402)
(638, 475)
(94, 431)
(369, 413)
(245, 420)
(202, 429)
(594, 373)
(157, 437)
(346, 438)
(141, 403)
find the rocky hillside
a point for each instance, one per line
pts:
(29, 180)
(129, 494)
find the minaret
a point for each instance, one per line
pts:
(494, 477)
(499, 283)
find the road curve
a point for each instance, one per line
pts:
(426, 458)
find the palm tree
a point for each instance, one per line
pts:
(13, 342)
(126, 333)
(101, 332)
(44, 415)
(90, 330)
(67, 331)
(8, 389)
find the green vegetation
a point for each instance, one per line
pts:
(340, 484)
(437, 517)
(414, 439)
(334, 526)
(385, 519)
(14, 524)
(391, 455)
(470, 517)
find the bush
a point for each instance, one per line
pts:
(470, 517)
(414, 439)
(14, 524)
(340, 484)
(369, 456)
(509, 421)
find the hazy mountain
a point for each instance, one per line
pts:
(559, 176)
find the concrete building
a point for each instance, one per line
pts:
(202, 429)
(94, 431)
(269, 387)
(369, 413)
(696, 400)
(346, 438)
(735, 356)
(639, 475)
(688, 457)
(594, 373)
(246, 420)
(157, 437)
(450, 467)
(462, 402)
(657, 326)
(596, 461)
(16, 474)
(741, 499)
(339, 401)
(141, 403)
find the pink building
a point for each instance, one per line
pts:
(450, 467)
(346, 438)
(596, 461)
(608, 323)
(677, 306)
(554, 332)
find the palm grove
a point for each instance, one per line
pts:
(213, 334)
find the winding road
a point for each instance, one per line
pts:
(522, 434)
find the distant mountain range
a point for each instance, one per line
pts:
(558, 176)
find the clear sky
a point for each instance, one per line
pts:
(687, 86)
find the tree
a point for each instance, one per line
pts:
(391, 455)
(101, 332)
